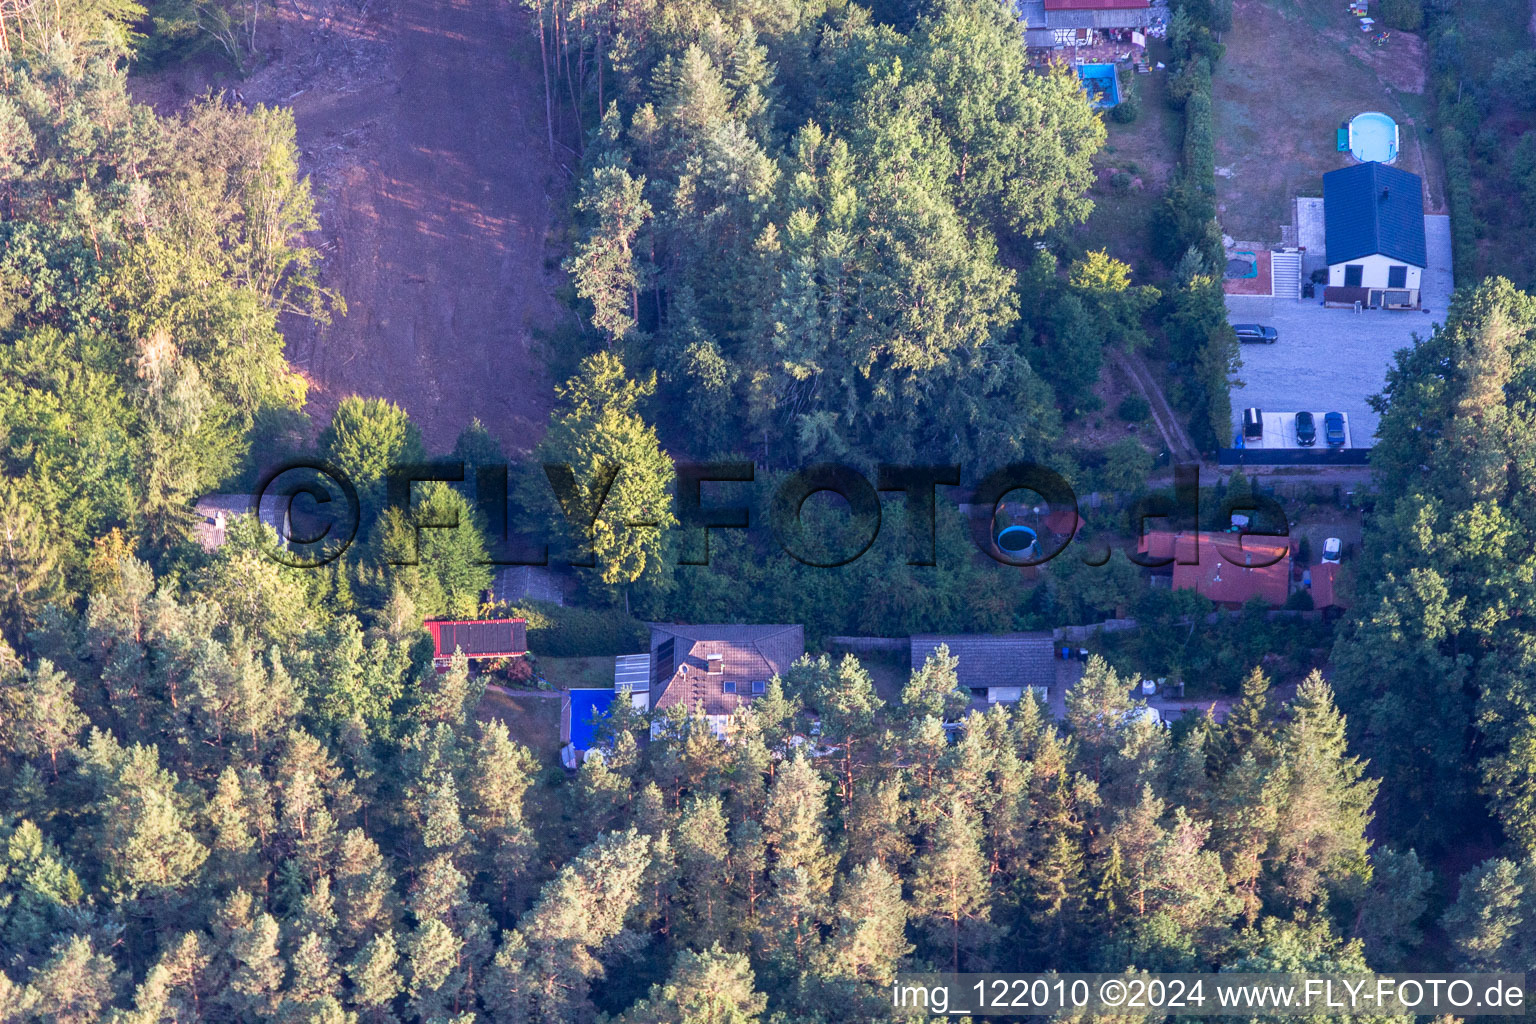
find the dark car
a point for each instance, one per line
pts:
(1253, 424)
(1256, 333)
(1333, 429)
(1306, 429)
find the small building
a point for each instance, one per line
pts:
(216, 512)
(997, 668)
(719, 669)
(1324, 586)
(477, 638)
(1231, 574)
(1060, 23)
(632, 674)
(1374, 229)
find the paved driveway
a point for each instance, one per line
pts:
(1335, 359)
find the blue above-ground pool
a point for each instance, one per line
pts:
(1100, 83)
(1373, 137)
(587, 705)
(1014, 539)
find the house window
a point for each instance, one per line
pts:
(759, 686)
(728, 686)
(1354, 274)
(979, 692)
(716, 664)
(1397, 277)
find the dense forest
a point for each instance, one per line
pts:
(237, 791)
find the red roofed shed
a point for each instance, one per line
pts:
(1323, 578)
(1096, 5)
(478, 638)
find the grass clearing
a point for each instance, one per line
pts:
(1293, 71)
(577, 673)
(1147, 150)
(532, 721)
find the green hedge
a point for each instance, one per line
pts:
(1199, 139)
(1458, 187)
(562, 632)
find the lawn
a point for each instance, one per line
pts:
(1292, 72)
(533, 721)
(577, 673)
(1146, 151)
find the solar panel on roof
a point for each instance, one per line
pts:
(664, 662)
(477, 639)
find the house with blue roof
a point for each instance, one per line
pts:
(1374, 229)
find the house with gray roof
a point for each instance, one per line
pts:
(215, 513)
(1061, 23)
(1374, 235)
(996, 668)
(719, 669)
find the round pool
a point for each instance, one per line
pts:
(1373, 136)
(1014, 539)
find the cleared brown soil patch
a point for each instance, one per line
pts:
(421, 125)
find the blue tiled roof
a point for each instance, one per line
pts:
(1372, 208)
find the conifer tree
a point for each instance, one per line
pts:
(544, 969)
(712, 987)
(1324, 800)
(950, 885)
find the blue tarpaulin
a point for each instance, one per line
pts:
(585, 705)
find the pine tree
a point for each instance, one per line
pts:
(1324, 800)
(73, 987)
(868, 926)
(1492, 924)
(613, 504)
(375, 977)
(256, 978)
(146, 843)
(497, 787)
(544, 969)
(950, 885)
(712, 987)
(603, 265)
(38, 714)
(1098, 707)
(702, 851)
(365, 900)
(934, 690)
(435, 968)
(801, 866)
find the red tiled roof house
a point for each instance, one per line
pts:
(1229, 570)
(718, 669)
(477, 638)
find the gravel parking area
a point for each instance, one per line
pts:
(1335, 358)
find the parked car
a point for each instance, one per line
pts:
(1332, 547)
(1253, 424)
(1306, 429)
(1333, 429)
(1256, 333)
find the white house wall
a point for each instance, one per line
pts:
(1374, 272)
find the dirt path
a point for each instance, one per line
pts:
(421, 126)
(1180, 448)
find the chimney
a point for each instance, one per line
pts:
(1384, 192)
